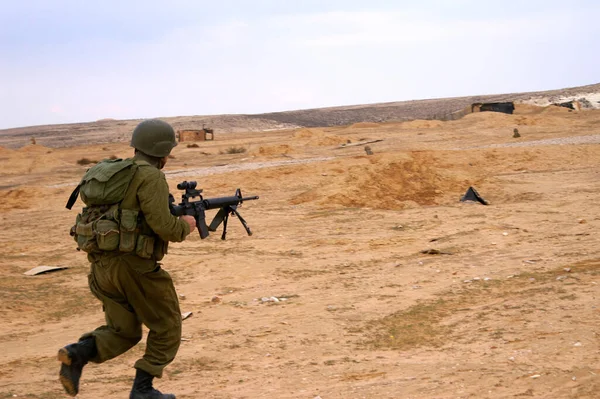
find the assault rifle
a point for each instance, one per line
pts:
(227, 206)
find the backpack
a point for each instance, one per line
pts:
(102, 225)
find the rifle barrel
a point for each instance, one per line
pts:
(214, 203)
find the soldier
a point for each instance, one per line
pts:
(132, 286)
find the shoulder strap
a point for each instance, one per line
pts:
(128, 201)
(73, 197)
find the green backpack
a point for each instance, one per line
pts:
(103, 225)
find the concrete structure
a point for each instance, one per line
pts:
(203, 134)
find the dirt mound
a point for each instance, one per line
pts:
(317, 138)
(305, 133)
(328, 140)
(422, 124)
(274, 150)
(386, 183)
(17, 198)
(5, 151)
(364, 125)
(489, 117)
(34, 149)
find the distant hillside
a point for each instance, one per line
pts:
(110, 130)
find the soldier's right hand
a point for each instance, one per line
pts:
(190, 220)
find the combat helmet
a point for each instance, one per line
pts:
(154, 137)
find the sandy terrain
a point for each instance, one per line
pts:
(109, 130)
(388, 286)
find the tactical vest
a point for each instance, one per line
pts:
(111, 219)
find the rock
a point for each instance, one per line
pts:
(577, 344)
(182, 297)
(185, 315)
(567, 269)
(215, 299)
(505, 234)
(535, 376)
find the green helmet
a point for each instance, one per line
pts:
(154, 137)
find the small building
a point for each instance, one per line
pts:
(203, 134)
(505, 107)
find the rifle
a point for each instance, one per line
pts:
(227, 206)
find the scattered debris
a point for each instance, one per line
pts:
(273, 299)
(359, 143)
(473, 195)
(435, 252)
(185, 315)
(44, 269)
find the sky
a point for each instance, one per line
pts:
(64, 61)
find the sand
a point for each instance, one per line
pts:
(388, 285)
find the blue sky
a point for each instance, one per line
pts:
(71, 61)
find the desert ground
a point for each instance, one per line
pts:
(387, 285)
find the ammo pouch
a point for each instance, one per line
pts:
(145, 246)
(128, 230)
(96, 229)
(114, 229)
(131, 238)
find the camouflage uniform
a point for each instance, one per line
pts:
(136, 291)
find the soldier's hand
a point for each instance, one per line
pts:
(190, 220)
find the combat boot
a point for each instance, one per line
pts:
(142, 387)
(73, 357)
